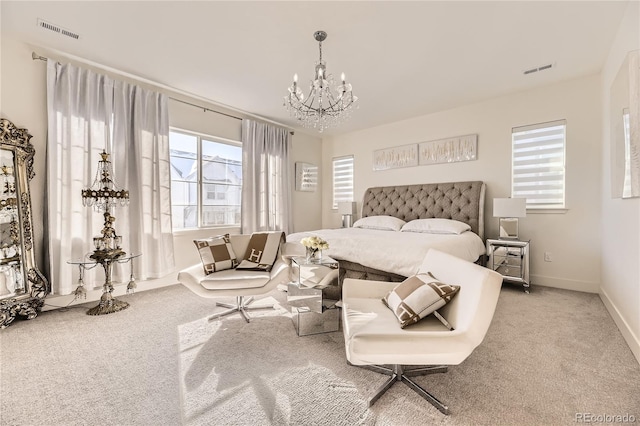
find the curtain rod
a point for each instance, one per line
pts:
(205, 108)
(37, 57)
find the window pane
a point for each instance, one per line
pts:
(221, 195)
(220, 215)
(218, 149)
(184, 217)
(184, 193)
(183, 151)
(204, 167)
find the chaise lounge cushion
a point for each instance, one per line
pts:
(233, 279)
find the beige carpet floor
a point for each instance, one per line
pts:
(548, 357)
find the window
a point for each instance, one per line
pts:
(342, 180)
(538, 170)
(206, 180)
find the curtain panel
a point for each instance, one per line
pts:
(266, 183)
(141, 162)
(85, 110)
(79, 114)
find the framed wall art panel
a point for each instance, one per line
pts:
(450, 150)
(392, 158)
(306, 177)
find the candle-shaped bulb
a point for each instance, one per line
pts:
(342, 77)
(319, 72)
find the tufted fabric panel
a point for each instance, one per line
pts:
(463, 201)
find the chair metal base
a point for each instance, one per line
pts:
(398, 373)
(241, 306)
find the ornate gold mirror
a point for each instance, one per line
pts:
(22, 286)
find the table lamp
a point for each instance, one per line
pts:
(348, 210)
(509, 210)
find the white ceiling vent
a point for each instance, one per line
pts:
(58, 29)
(540, 68)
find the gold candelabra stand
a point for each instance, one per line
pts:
(104, 196)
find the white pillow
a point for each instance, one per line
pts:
(384, 223)
(436, 226)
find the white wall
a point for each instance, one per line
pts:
(23, 101)
(573, 238)
(620, 289)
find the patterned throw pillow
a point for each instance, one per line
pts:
(418, 296)
(216, 253)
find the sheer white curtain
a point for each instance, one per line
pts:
(266, 184)
(82, 108)
(79, 109)
(141, 161)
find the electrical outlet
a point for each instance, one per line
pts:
(548, 257)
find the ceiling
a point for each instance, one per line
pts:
(404, 59)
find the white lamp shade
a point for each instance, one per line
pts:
(347, 207)
(509, 207)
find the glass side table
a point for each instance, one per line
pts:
(108, 304)
(312, 312)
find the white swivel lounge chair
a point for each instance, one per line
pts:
(241, 284)
(374, 339)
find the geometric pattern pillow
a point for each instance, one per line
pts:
(216, 253)
(418, 296)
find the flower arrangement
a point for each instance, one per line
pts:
(314, 245)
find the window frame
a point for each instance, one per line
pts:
(333, 179)
(200, 183)
(541, 208)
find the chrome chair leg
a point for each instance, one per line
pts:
(241, 306)
(399, 373)
(382, 389)
(426, 395)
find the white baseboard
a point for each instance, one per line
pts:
(54, 301)
(566, 284)
(628, 334)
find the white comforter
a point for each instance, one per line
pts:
(390, 251)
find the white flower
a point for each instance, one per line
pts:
(314, 242)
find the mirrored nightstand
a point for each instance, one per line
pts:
(312, 311)
(510, 258)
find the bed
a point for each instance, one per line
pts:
(387, 255)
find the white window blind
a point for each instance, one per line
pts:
(342, 180)
(538, 164)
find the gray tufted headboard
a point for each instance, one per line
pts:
(463, 201)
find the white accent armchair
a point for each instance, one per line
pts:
(374, 339)
(236, 283)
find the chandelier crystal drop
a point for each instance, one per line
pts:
(324, 106)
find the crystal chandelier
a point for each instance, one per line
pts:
(322, 108)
